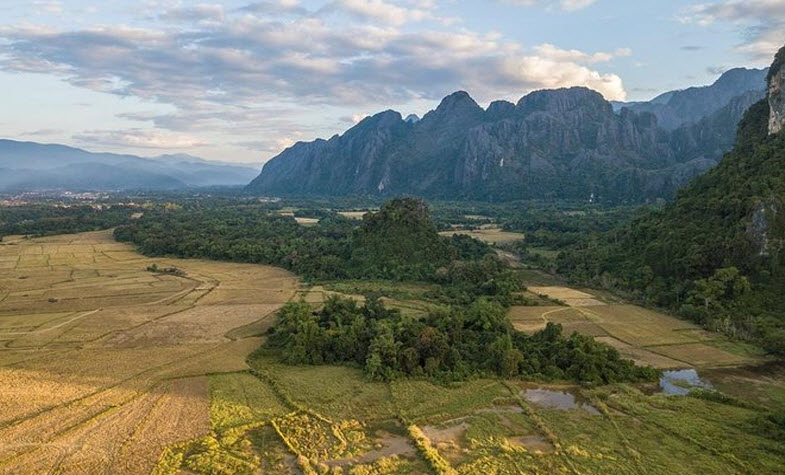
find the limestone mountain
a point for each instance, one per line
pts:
(676, 108)
(717, 253)
(565, 143)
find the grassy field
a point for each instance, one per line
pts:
(104, 364)
(490, 235)
(332, 420)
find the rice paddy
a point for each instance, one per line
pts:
(643, 335)
(103, 365)
(493, 236)
(108, 368)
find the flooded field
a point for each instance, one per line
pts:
(556, 399)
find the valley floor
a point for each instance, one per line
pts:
(106, 367)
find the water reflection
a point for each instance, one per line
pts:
(558, 400)
(680, 382)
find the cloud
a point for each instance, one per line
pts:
(258, 71)
(761, 21)
(200, 12)
(274, 145)
(567, 5)
(43, 132)
(139, 138)
(556, 53)
(275, 7)
(382, 11)
(52, 7)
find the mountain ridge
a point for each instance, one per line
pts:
(562, 143)
(33, 166)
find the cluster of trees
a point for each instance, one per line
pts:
(715, 254)
(46, 219)
(451, 343)
(399, 242)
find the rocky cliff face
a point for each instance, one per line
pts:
(777, 94)
(677, 108)
(566, 143)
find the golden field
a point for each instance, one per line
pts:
(104, 364)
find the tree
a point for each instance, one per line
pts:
(721, 290)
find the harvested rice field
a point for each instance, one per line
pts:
(104, 364)
(108, 368)
(493, 236)
(642, 335)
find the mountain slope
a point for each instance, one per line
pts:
(34, 166)
(716, 254)
(676, 108)
(566, 143)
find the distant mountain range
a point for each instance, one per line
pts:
(676, 108)
(26, 166)
(565, 143)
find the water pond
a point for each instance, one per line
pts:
(680, 382)
(558, 400)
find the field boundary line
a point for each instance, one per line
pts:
(302, 460)
(598, 322)
(542, 427)
(260, 320)
(94, 416)
(35, 332)
(603, 408)
(174, 296)
(427, 451)
(134, 327)
(726, 456)
(161, 367)
(550, 312)
(142, 423)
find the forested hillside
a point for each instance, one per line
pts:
(715, 254)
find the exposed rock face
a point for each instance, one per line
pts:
(759, 227)
(566, 143)
(677, 108)
(777, 94)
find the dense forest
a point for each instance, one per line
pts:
(452, 343)
(45, 219)
(714, 254)
(470, 336)
(399, 242)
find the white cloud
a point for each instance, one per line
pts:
(553, 52)
(382, 11)
(762, 21)
(139, 138)
(251, 74)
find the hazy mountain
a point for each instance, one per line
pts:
(34, 166)
(676, 108)
(566, 143)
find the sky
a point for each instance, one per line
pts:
(241, 80)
